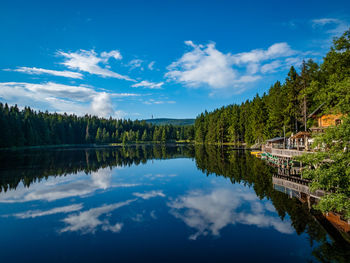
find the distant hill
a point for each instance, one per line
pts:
(165, 121)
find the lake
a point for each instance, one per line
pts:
(154, 203)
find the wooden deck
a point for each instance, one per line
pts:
(283, 153)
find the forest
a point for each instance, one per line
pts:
(286, 106)
(29, 128)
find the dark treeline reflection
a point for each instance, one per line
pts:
(238, 166)
(31, 166)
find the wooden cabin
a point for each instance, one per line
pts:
(324, 120)
(329, 120)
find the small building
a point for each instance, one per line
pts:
(277, 143)
(301, 141)
(324, 120)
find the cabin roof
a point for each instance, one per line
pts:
(316, 110)
(301, 134)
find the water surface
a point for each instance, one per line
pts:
(152, 203)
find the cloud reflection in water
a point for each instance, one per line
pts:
(56, 210)
(60, 187)
(208, 213)
(88, 221)
(150, 194)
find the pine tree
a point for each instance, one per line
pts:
(292, 110)
(163, 138)
(144, 136)
(99, 136)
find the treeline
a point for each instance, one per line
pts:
(286, 105)
(27, 127)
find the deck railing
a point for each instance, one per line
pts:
(283, 152)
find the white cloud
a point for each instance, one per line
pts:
(102, 105)
(153, 101)
(56, 210)
(151, 194)
(191, 44)
(205, 66)
(112, 54)
(296, 61)
(333, 26)
(208, 213)
(88, 221)
(80, 93)
(89, 61)
(324, 21)
(271, 67)
(278, 65)
(258, 55)
(124, 95)
(135, 63)
(39, 71)
(151, 65)
(119, 114)
(60, 105)
(79, 100)
(148, 84)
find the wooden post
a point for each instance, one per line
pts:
(284, 136)
(308, 202)
(297, 144)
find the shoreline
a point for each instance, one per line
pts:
(94, 145)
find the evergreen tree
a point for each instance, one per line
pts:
(99, 135)
(163, 138)
(292, 109)
(144, 136)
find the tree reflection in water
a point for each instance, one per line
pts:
(238, 166)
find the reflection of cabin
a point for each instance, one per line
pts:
(338, 222)
(325, 120)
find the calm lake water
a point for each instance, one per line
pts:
(153, 204)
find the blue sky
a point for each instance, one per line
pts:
(135, 59)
